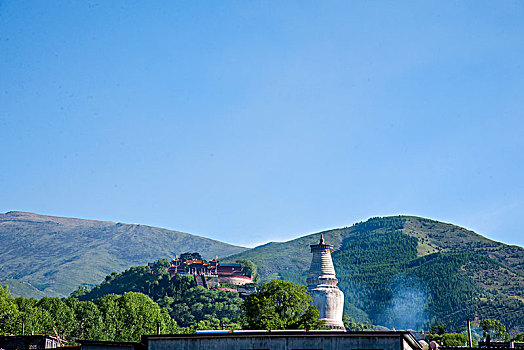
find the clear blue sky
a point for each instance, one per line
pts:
(251, 121)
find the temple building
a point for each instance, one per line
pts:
(322, 285)
(193, 266)
(208, 274)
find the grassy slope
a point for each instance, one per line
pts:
(56, 255)
(489, 272)
(18, 288)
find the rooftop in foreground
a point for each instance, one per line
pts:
(274, 340)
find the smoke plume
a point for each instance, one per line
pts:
(408, 306)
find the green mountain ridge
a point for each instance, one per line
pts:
(406, 271)
(48, 255)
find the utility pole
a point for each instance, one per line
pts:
(469, 334)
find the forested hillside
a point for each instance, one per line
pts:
(186, 302)
(410, 272)
(46, 255)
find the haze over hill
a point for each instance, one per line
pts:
(47, 255)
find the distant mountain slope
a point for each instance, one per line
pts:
(53, 255)
(408, 272)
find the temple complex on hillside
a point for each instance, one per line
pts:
(209, 274)
(193, 264)
(322, 285)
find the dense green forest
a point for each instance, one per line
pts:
(382, 275)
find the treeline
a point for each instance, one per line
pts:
(111, 317)
(279, 305)
(480, 329)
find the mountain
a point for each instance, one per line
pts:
(47, 255)
(408, 272)
(401, 271)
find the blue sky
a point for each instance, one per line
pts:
(251, 121)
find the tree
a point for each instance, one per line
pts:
(80, 291)
(128, 316)
(163, 263)
(36, 319)
(109, 309)
(440, 330)
(494, 328)
(9, 313)
(89, 322)
(353, 326)
(162, 266)
(141, 315)
(249, 269)
(281, 305)
(519, 337)
(454, 339)
(62, 317)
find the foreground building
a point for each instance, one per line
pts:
(322, 285)
(29, 342)
(270, 340)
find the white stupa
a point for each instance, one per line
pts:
(322, 285)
